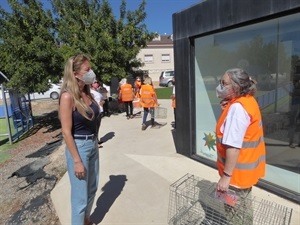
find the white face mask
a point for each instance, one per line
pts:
(222, 92)
(89, 77)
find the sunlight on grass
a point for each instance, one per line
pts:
(164, 93)
(5, 146)
(4, 155)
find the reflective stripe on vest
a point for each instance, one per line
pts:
(248, 144)
(245, 166)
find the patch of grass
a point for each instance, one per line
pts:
(164, 93)
(4, 155)
(5, 148)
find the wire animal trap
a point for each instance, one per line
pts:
(160, 113)
(193, 201)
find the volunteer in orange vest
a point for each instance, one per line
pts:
(241, 150)
(148, 101)
(137, 86)
(173, 97)
(126, 95)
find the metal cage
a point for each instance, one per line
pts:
(160, 113)
(193, 202)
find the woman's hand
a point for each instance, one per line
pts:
(224, 103)
(223, 183)
(79, 170)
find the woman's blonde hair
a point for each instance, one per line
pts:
(147, 80)
(70, 85)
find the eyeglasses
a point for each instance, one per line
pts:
(223, 83)
(96, 82)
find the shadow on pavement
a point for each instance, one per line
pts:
(107, 137)
(111, 190)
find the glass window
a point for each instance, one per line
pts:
(270, 53)
(148, 58)
(165, 57)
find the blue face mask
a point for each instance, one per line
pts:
(222, 92)
(89, 77)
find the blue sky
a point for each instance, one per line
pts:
(159, 12)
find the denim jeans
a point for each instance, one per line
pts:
(83, 191)
(146, 111)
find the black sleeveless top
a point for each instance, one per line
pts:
(83, 126)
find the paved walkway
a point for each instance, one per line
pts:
(136, 171)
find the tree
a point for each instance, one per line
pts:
(28, 53)
(35, 42)
(89, 26)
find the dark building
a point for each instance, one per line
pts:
(262, 37)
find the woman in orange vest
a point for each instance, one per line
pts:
(148, 101)
(241, 150)
(137, 87)
(126, 95)
(173, 97)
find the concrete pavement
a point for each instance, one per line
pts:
(136, 171)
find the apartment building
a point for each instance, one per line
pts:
(158, 56)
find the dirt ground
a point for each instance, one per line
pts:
(27, 201)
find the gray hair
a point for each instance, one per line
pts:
(242, 83)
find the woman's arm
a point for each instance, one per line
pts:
(65, 110)
(232, 155)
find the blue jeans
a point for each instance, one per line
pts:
(146, 111)
(83, 191)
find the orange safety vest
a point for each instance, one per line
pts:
(174, 102)
(148, 96)
(137, 85)
(251, 163)
(126, 93)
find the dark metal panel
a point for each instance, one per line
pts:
(183, 102)
(212, 15)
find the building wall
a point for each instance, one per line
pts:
(196, 23)
(157, 66)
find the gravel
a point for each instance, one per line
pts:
(27, 201)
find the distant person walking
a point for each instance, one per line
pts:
(148, 101)
(126, 95)
(173, 97)
(103, 91)
(137, 87)
(99, 99)
(240, 142)
(294, 114)
(78, 113)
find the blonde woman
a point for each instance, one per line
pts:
(78, 114)
(148, 101)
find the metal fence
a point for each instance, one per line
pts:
(16, 112)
